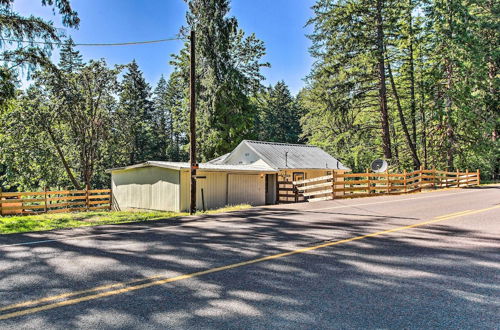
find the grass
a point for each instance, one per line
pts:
(30, 223)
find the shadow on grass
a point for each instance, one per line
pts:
(43, 222)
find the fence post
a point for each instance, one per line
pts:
(87, 201)
(434, 177)
(333, 184)
(388, 181)
(404, 180)
(1, 205)
(466, 177)
(420, 179)
(45, 198)
(369, 181)
(458, 178)
(111, 198)
(478, 177)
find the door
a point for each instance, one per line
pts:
(246, 189)
(270, 188)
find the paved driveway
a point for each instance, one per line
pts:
(428, 260)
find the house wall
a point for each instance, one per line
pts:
(222, 188)
(151, 188)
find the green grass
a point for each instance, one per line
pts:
(29, 223)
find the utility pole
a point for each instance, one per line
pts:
(192, 125)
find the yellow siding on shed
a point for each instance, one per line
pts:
(150, 188)
(246, 189)
(215, 189)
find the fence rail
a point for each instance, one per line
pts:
(15, 203)
(353, 185)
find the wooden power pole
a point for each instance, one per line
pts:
(192, 125)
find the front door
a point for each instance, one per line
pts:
(270, 188)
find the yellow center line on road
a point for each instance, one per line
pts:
(200, 273)
(452, 214)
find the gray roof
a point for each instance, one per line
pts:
(299, 156)
(255, 167)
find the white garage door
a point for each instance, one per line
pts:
(246, 189)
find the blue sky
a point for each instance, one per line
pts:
(279, 23)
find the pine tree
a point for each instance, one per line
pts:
(279, 115)
(347, 85)
(135, 111)
(162, 120)
(70, 59)
(228, 74)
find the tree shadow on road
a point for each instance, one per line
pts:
(416, 279)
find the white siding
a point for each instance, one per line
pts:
(246, 188)
(214, 190)
(242, 155)
(150, 188)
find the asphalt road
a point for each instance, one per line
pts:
(428, 260)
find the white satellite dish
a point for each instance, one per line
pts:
(379, 165)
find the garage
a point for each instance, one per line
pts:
(165, 186)
(253, 191)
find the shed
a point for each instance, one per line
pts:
(164, 186)
(254, 172)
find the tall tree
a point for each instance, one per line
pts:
(136, 115)
(228, 73)
(348, 80)
(279, 115)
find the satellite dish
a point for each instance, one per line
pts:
(379, 165)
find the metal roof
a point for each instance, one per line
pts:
(299, 156)
(258, 166)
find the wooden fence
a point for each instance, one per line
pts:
(286, 192)
(352, 185)
(15, 203)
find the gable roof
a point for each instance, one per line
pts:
(286, 155)
(257, 167)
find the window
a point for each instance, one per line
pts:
(298, 176)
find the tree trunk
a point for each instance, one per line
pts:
(450, 132)
(411, 69)
(63, 159)
(411, 145)
(424, 127)
(382, 91)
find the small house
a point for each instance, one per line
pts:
(254, 173)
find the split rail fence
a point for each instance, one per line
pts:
(353, 185)
(20, 203)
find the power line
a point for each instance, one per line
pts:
(96, 44)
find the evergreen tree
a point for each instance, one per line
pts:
(279, 115)
(228, 74)
(162, 121)
(70, 59)
(135, 111)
